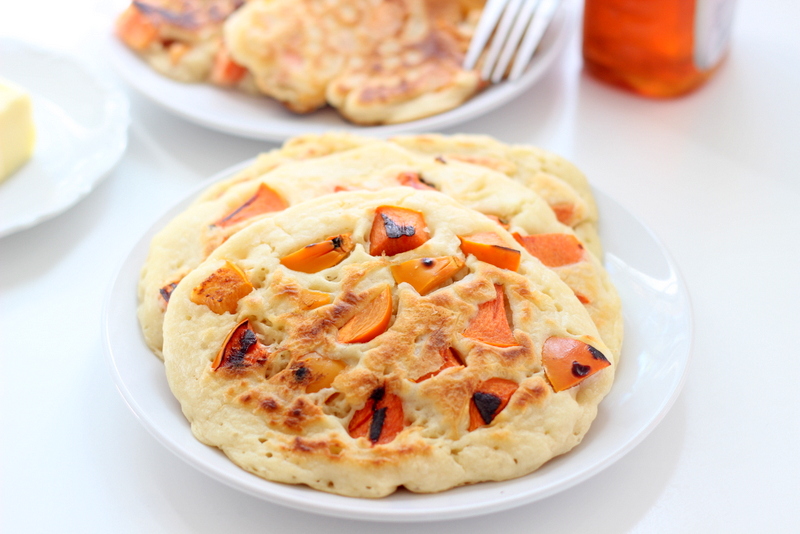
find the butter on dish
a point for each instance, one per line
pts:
(17, 131)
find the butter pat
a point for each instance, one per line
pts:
(17, 132)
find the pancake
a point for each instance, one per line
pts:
(374, 62)
(343, 369)
(182, 39)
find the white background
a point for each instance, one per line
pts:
(716, 175)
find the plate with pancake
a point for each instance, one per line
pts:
(234, 111)
(658, 325)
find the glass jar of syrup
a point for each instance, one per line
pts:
(658, 48)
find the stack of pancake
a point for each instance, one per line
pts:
(359, 315)
(374, 61)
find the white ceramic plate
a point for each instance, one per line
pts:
(81, 127)
(263, 118)
(658, 330)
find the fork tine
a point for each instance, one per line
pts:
(491, 14)
(512, 43)
(541, 20)
(500, 36)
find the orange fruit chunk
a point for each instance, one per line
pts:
(490, 325)
(488, 400)
(553, 250)
(241, 349)
(318, 256)
(222, 290)
(265, 200)
(370, 320)
(135, 29)
(225, 71)
(567, 362)
(426, 274)
(396, 230)
(414, 180)
(489, 247)
(380, 420)
(312, 371)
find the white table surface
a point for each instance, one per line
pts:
(716, 175)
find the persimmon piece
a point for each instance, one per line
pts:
(426, 274)
(315, 371)
(345, 188)
(567, 361)
(165, 292)
(318, 256)
(135, 29)
(177, 50)
(370, 320)
(553, 250)
(414, 180)
(265, 200)
(450, 360)
(490, 325)
(565, 212)
(241, 349)
(310, 300)
(396, 230)
(225, 71)
(222, 290)
(380, 420)
(498, 220)
(488, 400)
(490, 248)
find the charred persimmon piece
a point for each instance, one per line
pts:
(396, 230)
(426, 274)
(135, 29)
(380, 420)
(413, 180)
(567, 361)
(165, 293)
(240, 350)
(490, 325)
(370, 320)
(488, 400)
(565, 212)
(318, 256)
(265, 200)
(449, 358)
(225, 71)
(553, 250)
(490, 248)
(314, 372)
(222, 290)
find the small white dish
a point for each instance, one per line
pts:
(260, 117)
(81, 133)
(658, 331)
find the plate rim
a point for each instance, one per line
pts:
(338, 507)
(116, 121)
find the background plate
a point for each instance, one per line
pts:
(658, 330)
(263, 118)
(81, 128)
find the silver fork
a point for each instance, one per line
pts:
(515, 27)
